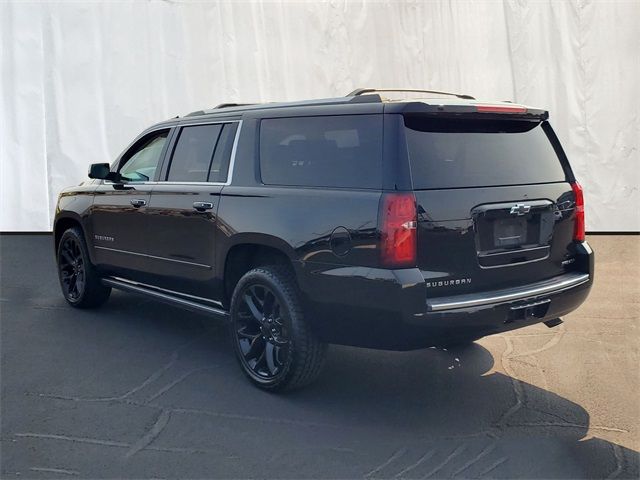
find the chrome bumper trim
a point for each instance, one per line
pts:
(546, 287)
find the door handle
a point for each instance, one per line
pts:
(137, 202)
(202, 206)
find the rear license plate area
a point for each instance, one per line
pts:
(506, 237)
(510, 232)
(500, 233)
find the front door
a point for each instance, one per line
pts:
(117, 218)
(182, 211)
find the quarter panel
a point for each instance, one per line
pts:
(303, 219)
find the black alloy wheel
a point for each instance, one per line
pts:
(272, 339)
(262, 333)
(72, 269)
(80, 282)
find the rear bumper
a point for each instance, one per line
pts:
(552, 286)
(389, 309)
(471, 321)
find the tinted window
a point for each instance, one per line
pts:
(470, 153)
(222, 156)
(142, 161)
(330, 151)
(193, 153)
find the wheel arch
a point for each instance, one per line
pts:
(251, 251)
(64, 222)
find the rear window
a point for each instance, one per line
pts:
(455, 153)
(327, 151)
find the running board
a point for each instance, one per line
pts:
(132, 287)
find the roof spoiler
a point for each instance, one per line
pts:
(477, 110)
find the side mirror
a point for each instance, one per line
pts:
(99, 170)
(102, 171)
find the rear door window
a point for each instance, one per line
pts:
(455, 153)
(193, 154)
(327, 151)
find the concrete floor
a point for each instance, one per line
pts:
(137, 389)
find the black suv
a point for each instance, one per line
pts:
(365, 221)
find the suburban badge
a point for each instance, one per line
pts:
(450, 282)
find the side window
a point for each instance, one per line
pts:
(222, 157)
(141, 162)
(193, 154)
(327, 151)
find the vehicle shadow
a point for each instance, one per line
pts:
(457, 397)
(402, 414)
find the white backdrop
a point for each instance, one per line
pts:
(80, 79)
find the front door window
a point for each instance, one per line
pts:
(143, 159)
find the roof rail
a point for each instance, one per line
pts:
(222, 105)
(225, 105)
(362, 91)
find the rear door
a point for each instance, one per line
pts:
(182, 211)
(494, 200)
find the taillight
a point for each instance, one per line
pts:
(398, 228)
(579, 228)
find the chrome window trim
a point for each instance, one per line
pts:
(109, 182)
(189, 183)
(207, 123)
(546, 287)
(145, 255)
(232, 159)
(234, 150)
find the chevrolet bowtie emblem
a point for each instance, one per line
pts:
(520, 209)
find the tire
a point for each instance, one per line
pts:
(272, 341)
(81, 285)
